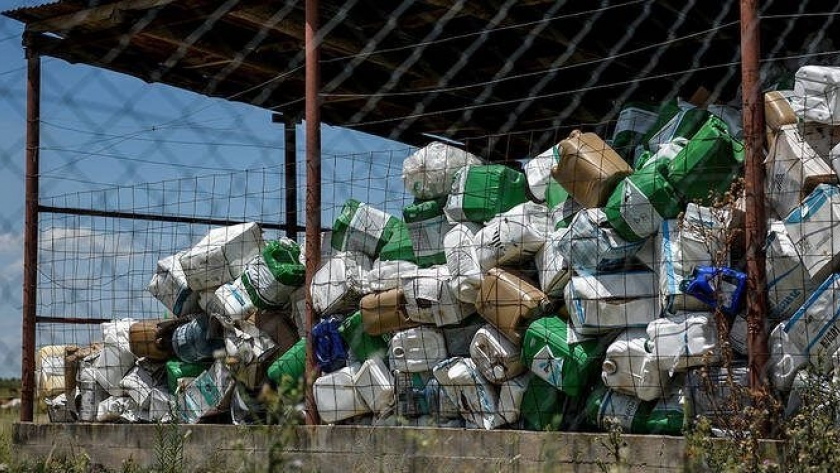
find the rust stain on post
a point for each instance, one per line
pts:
(313, 192)
(753, 115)
(30, 243)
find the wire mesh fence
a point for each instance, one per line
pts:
(536, 217)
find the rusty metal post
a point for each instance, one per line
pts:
(313, 191)
(290, 144)
(753, 115)
(30, 239)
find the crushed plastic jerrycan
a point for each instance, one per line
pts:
(588, 168)
(729, 296)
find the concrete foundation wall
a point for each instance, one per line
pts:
(348, 449)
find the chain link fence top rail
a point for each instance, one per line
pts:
(132, 173)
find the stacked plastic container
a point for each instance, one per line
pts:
(596, 287)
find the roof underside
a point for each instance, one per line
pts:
(507, 78)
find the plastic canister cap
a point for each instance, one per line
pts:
(609, 366)
(399, 352)
(499, 372)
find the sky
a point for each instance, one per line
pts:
(112, 141)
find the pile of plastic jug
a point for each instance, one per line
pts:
(595, 282)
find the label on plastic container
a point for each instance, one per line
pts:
(620, 407)
(427, 235)
(366, 229)
(548, 367)
(638, 212)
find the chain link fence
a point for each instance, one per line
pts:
(132, 172)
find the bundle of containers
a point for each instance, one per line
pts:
(593, 287)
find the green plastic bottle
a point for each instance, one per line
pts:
(709, 163)
(541, 407)
(427, 225)
(546, 350)
(362, 345)
(641, 201)
(481, 192)
(287, 370)
(176, 369)
(270, 280)
(664, 417)
(361, 227)
(399, 246)
(563, 207)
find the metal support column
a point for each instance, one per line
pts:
(290, 144)
(753, 115)
(313, 191)
(30, 243)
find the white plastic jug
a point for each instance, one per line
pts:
(604, 302)
(816, 97)
(552, 267)
(337, 398)
(630, 369)
(496, 357)
(684, 340)
(416, 349)
(375, 384)
(513, 237)
(221, 255)
(338, 284)
(462, 261)
(430, 300)
(477, 398)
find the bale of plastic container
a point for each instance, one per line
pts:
(815, 94)
(812, 228)
(496, 357)
(513, 237)
(339, 282)
(363, 228)
(427, 227)
(462, 260)
(811, 335)
(337, 398)
(507, 301)
(384, 312)
(477, 398)
(221, 255)
(684, 340)
(629, 367)
(416, 349)
(548, 354)
(708, 164)
(479, 193)
(429, 172)
(793, 170)
(605, 302)
(590, 245)
(429, 299)
(640, 202)
(169, 286)
(272, 276)
(588, 168)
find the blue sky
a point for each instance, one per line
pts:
(102, 129)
